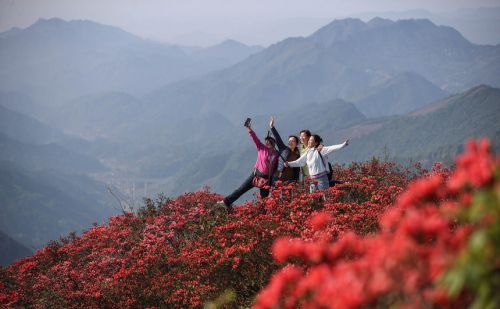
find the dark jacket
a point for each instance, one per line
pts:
(286, 154)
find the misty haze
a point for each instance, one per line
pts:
(99, 112)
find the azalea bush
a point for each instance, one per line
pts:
(439, 246)
(376, 240)
(186, 251)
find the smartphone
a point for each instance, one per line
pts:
(247, 122)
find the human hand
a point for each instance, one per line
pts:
(248, 124)
(347, 142)
(271, 122)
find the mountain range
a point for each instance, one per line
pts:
(433, 133)
(56, 60)
(45, 190)
(345, 59)
(404, 93)
(11, 250)
(479, 25)
(39, 206)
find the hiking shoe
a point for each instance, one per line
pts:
(220, 204)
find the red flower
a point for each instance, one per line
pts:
(320, 220)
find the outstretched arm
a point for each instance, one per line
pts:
(255, 139)
(329, 149)
(279, 141)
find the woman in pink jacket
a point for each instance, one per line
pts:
(265, 166)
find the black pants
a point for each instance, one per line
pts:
(245, 186)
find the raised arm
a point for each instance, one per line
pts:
(281, 161)
(279, 141)
(256, 140)
(329, 149)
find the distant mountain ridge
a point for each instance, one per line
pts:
(35, 145)
(399, 95)
(97, 115)
(60, 60)
(434, 133)
(226, 53)
(26, 129)
(18, 102)
(87, 33)
(332, 114)
(344, 29)
(478, 25)
(11, 250)
(45, 190)
(41, 206)
(47, 157)
(354, 57)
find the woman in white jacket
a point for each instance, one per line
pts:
(314, 159)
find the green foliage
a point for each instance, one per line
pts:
(224, 299)
(477, 269)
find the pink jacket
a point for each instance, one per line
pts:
(265, 156)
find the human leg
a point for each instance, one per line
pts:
(245, 186)
(320, 183)
(323, 182)
(264, 193)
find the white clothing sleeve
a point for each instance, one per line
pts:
(329, 149)
(300, 161)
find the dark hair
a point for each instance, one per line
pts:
(271, 140)
(295, 138)
(317, 139)
(307, 132)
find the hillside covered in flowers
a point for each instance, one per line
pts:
(387, 236)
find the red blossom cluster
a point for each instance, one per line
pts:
(419, 241)
(475, 167)
(181, 253)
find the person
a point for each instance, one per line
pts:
(314, 159)
(267, 159)
(305, 134)
(287, 153)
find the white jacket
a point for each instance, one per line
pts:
(313, 160)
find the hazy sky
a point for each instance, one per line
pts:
(206, 22)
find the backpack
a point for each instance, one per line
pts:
(329, 173)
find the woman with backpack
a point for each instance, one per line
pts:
(267, 158)
(314, 160)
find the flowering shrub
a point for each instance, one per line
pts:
(185, 252)
(438, 247)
